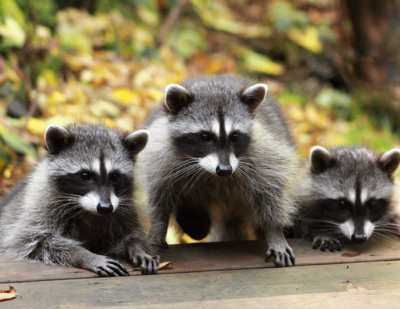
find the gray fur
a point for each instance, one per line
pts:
(40, 222)
(354, 176)
(260, 193)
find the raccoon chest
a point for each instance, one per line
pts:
(97, 237)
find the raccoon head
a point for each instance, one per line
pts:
(211, 122)
(92, 167)
(353, 188)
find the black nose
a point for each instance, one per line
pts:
(224, 170)
(104, 209)
(359, 238)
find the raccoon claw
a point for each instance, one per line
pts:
(282, 259)
(110, 268)
(148, 264)
(323, 243)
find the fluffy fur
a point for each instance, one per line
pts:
(220, 156)
(77, 207)
(352, 196)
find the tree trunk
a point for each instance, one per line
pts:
(376, 39)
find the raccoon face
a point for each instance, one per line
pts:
(92, 166)
(212, 125)
(353, 188)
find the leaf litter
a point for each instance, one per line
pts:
(8, 294)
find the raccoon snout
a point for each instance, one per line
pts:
(104, 209)
(224, 170)
(359, 238)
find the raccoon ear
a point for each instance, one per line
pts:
(320, 158)
(56, 138)
(254, 95)
(136, 141)
(176, 97)
(390, 160)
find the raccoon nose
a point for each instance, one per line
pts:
(104, 209)
(224, 170)
(359, 238)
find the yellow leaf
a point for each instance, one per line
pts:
(7, 172)
(87, 76)
(12, 33)
(61, 120)
(37, 126)
(12, 75)
(125, 124)
(260, 63)
(50, 77)
(57, 97)
(164, 265)
(104, 108)
(154, 94)
(125, 96)
(308, 38)
(8, 294)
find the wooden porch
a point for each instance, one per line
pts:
(221, 275)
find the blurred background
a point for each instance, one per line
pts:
(333, 65)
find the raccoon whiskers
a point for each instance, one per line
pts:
(197, 170)
(181, 169)
(197, 178)
(380, 235)
(78, 213)
(193, 169)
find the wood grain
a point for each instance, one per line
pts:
(202, 257)
(306, 285)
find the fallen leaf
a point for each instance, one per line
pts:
(352, 287)
(351, 254)
(12, 33)
(8, 294)
(164, 265)
(259, 63)
(307, 38)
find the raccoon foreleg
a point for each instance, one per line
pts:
(62, 251)
(278, 248)
(160, 215)
(136, 250)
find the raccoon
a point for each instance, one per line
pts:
(77, 207)
(352, 196)
(219, 153)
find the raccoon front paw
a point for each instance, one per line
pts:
(106, 267)
(283, 255)
(326, 242)
(148, 264)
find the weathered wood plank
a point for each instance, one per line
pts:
(354, 300)
(207, 286)
(213, 256)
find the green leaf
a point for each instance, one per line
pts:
(10, 8)
(260, 63)
(16, 142)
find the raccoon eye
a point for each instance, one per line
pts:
(342, 203)
(205, 137)
(372, 203)
(234, 137)
(114, 177)
(85, 176)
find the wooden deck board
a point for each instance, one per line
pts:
(311, 285)
(202, 257)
